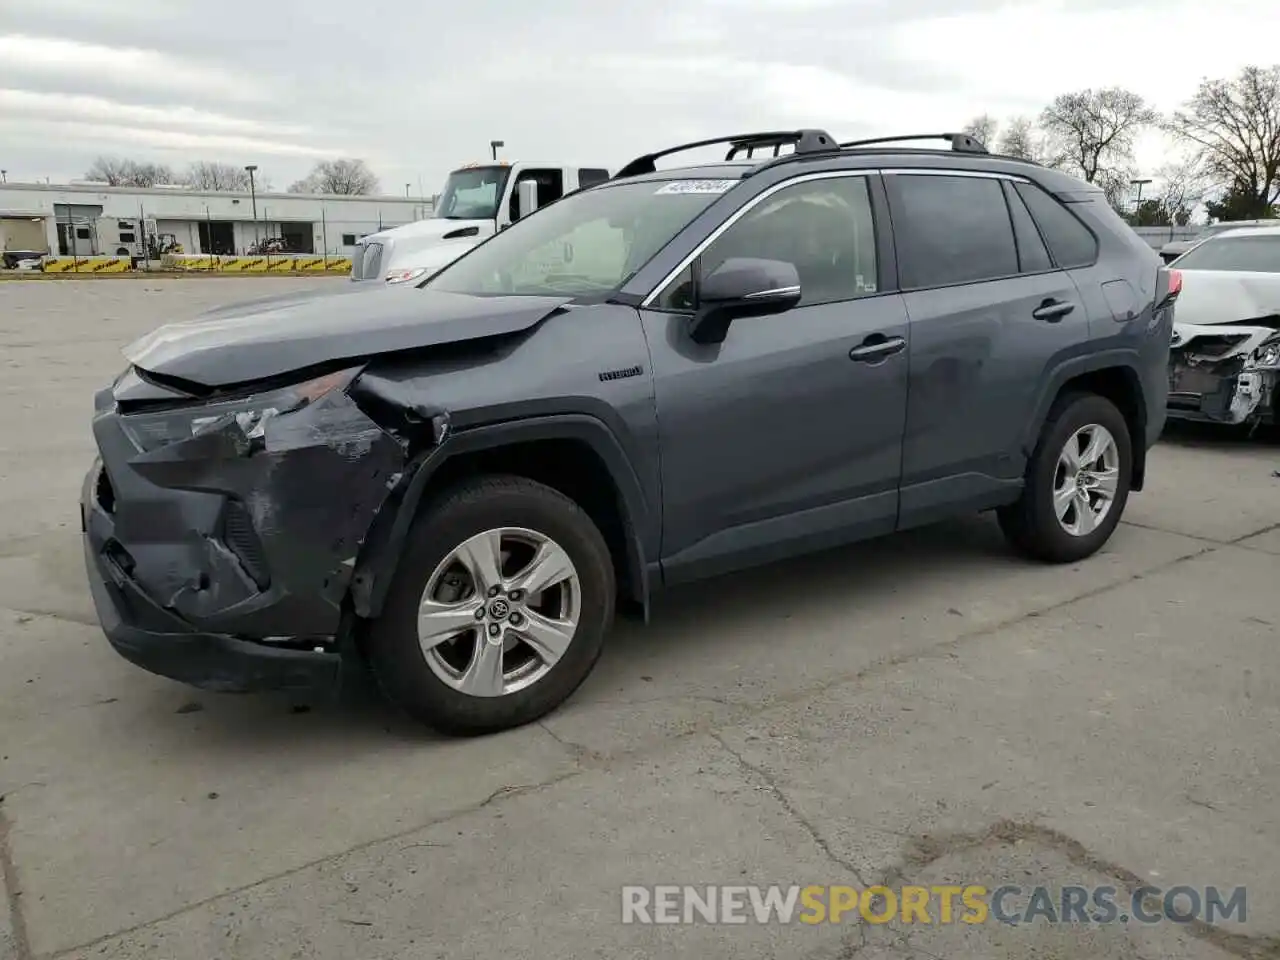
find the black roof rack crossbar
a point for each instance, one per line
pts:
(804, 141)
(960, 142)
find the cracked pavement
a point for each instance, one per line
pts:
(922, 709)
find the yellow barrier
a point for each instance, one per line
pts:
(86, 264)
(242, 265)
(271, 263)
(187, 261)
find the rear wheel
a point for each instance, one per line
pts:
(498, 611)
(1077, 482)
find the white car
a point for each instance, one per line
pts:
(1224, 361)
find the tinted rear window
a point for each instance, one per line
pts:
(951, 230)
(1249, 254)
(1069, 240)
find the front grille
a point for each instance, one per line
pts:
(242, 540)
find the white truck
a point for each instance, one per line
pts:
(477, 201)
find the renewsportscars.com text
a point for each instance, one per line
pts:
(943, 904)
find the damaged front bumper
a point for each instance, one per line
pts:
(222, 559)
(1211, 382)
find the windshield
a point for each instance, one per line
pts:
(587, 243)
(472, 194)
(1249, 254)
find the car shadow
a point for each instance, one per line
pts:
(357, 717)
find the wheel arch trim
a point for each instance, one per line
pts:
(1123, 361)
(376, 565)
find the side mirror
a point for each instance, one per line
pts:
(742, 287)
(527, 192)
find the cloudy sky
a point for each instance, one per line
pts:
(417, 88)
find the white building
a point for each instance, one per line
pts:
(98, 219)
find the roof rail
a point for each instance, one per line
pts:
(960, 142)
(805, 141)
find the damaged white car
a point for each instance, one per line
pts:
(1224, 365)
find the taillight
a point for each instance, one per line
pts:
(1171, 281)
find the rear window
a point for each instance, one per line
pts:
(1069, 240)
(951, 230)
(1246, 254)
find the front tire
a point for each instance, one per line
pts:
(1076, 484)
(498, 610)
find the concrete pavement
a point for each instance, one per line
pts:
(926, 708)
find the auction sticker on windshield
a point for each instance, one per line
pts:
(696, 186)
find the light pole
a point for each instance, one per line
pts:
(494, 146)
(253, 199)
(406, 191)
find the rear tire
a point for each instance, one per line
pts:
(1051, 521)
(447, 684)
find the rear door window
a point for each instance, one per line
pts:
(951, 230)
(1069, 240)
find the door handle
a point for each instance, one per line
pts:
(1051, 311)
(877, 347)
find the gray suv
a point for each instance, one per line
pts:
(671, 375)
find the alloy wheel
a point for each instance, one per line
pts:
(1086, 479)
(499, 612)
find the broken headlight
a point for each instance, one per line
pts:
(150, 431)
(1267, 355)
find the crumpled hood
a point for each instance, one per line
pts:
(1224, 296)
(262, 339)
(1221, 303)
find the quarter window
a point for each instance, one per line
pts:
(951, 230)
(1069, 240)
(1032, 255)
(824, 227)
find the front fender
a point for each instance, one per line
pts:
(377, 563)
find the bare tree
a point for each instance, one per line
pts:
(1092, 131)
(211, 175)
(1234, 127)
(120, 172)
(1181, 186)
(343, 176)
(983, 129)
(1019, 139)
